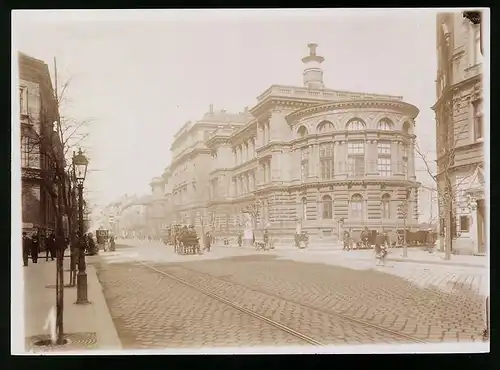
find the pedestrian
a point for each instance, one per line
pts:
(266, 237)
(50, 247)
(380, 249)
(91, 248)
(207, 241)
(26, 248)
(35, 245)
(240, 238)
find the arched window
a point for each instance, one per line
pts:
(302, 132)
(386, 206)
(355, 124)
(384, 124)
(357, 207)
(406, 127)
(324, 127)
(304, 208)
(327, 207)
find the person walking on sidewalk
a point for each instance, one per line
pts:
(50, 244)
(26, 248)
(35, 247)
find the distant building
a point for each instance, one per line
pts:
(325, 159)
(38, 111)
(460, 127)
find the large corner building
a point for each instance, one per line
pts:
(38, 111)
(460, 128)
(308, 156)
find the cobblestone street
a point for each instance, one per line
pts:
(334, 304)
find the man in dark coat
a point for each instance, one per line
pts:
(50, 247)
(35, 247)
(26, 248)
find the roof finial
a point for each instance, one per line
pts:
(313, 74)
(312, 49)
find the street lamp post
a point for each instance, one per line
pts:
(80, 163)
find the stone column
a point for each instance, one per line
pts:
(395, 158)
(258, 136)
(260, 174)
(411, 161)
(314, 161)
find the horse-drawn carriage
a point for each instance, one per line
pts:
(302, 240)
(185, 240)
(365, 239)
(102, 236)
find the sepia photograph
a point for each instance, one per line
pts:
(215, 181)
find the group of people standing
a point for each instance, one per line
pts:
(31, 247)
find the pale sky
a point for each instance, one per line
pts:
(142, 75)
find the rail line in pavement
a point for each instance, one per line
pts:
(240, 308)
(273, 322)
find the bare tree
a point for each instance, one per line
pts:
(51, 143)
(447, 187)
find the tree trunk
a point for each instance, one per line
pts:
(59, 269)
(448, 235)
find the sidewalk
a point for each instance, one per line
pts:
(415, 254)
(419, 256)
(87, 327)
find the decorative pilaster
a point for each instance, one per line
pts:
(314, 162)
(411, 161)
(372, 156)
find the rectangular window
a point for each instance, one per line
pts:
(326, 161)
(384, 166)
(355, 148)
(384, 158)
(23, 100)
(30, 154)
(384, 148)
(356, 165)
(356, 159)
(464, 224)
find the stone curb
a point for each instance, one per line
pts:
(107, 336)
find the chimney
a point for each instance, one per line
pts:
(211, 109)
(313, 74)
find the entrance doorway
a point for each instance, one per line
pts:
(481, 226)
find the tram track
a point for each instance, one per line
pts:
(395, 335)
(238, 307)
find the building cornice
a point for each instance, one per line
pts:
(450, 90)
(408, 109)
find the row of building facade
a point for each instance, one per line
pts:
(323, 159)
(329, 160)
